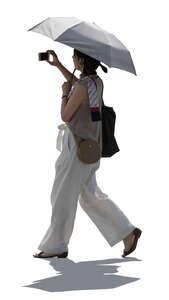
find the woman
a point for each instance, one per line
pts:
(75, 180)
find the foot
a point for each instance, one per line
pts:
(128, 241)
(42, 254)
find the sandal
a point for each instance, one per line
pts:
(61, 255)
(137, 232)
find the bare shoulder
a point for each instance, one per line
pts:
(81, 88)
(77, 97)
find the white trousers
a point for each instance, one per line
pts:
(75, 181)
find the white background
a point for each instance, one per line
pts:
(136, 178)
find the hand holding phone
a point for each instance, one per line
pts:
(45, 56)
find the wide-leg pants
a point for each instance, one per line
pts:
(75, 181)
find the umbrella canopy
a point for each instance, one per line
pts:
(88, 38)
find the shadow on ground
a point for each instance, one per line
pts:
(84, 275)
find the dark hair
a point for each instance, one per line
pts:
(90, 63)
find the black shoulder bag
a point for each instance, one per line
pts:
(108, 116)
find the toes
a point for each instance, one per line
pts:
(37, 254)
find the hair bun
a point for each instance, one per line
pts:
(103, 68)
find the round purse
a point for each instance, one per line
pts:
(88, 150)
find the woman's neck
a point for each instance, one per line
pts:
(84, 75)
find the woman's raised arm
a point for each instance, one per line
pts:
(66, 73)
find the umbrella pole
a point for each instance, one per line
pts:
(72, 76)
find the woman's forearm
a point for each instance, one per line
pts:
(66, 73)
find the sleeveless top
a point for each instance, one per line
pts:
(81, 123)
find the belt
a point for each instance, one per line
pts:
(59, 141)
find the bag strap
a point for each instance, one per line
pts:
(101, 91)
(94, 82)
(102, 94)
(78, 139)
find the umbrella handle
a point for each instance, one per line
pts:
(72, 76)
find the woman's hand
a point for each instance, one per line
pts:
(55, 61)
(66, 87)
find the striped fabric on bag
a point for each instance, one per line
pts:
(94, 104)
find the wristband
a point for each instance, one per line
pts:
(64, 96)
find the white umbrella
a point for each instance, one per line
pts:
(88, 38)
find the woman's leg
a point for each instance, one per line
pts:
(105, 214)
(69, 178)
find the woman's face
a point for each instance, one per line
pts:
(78, 62)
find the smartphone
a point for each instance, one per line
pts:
(43, 56)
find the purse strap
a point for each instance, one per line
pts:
(77, 138)
(101, 91)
